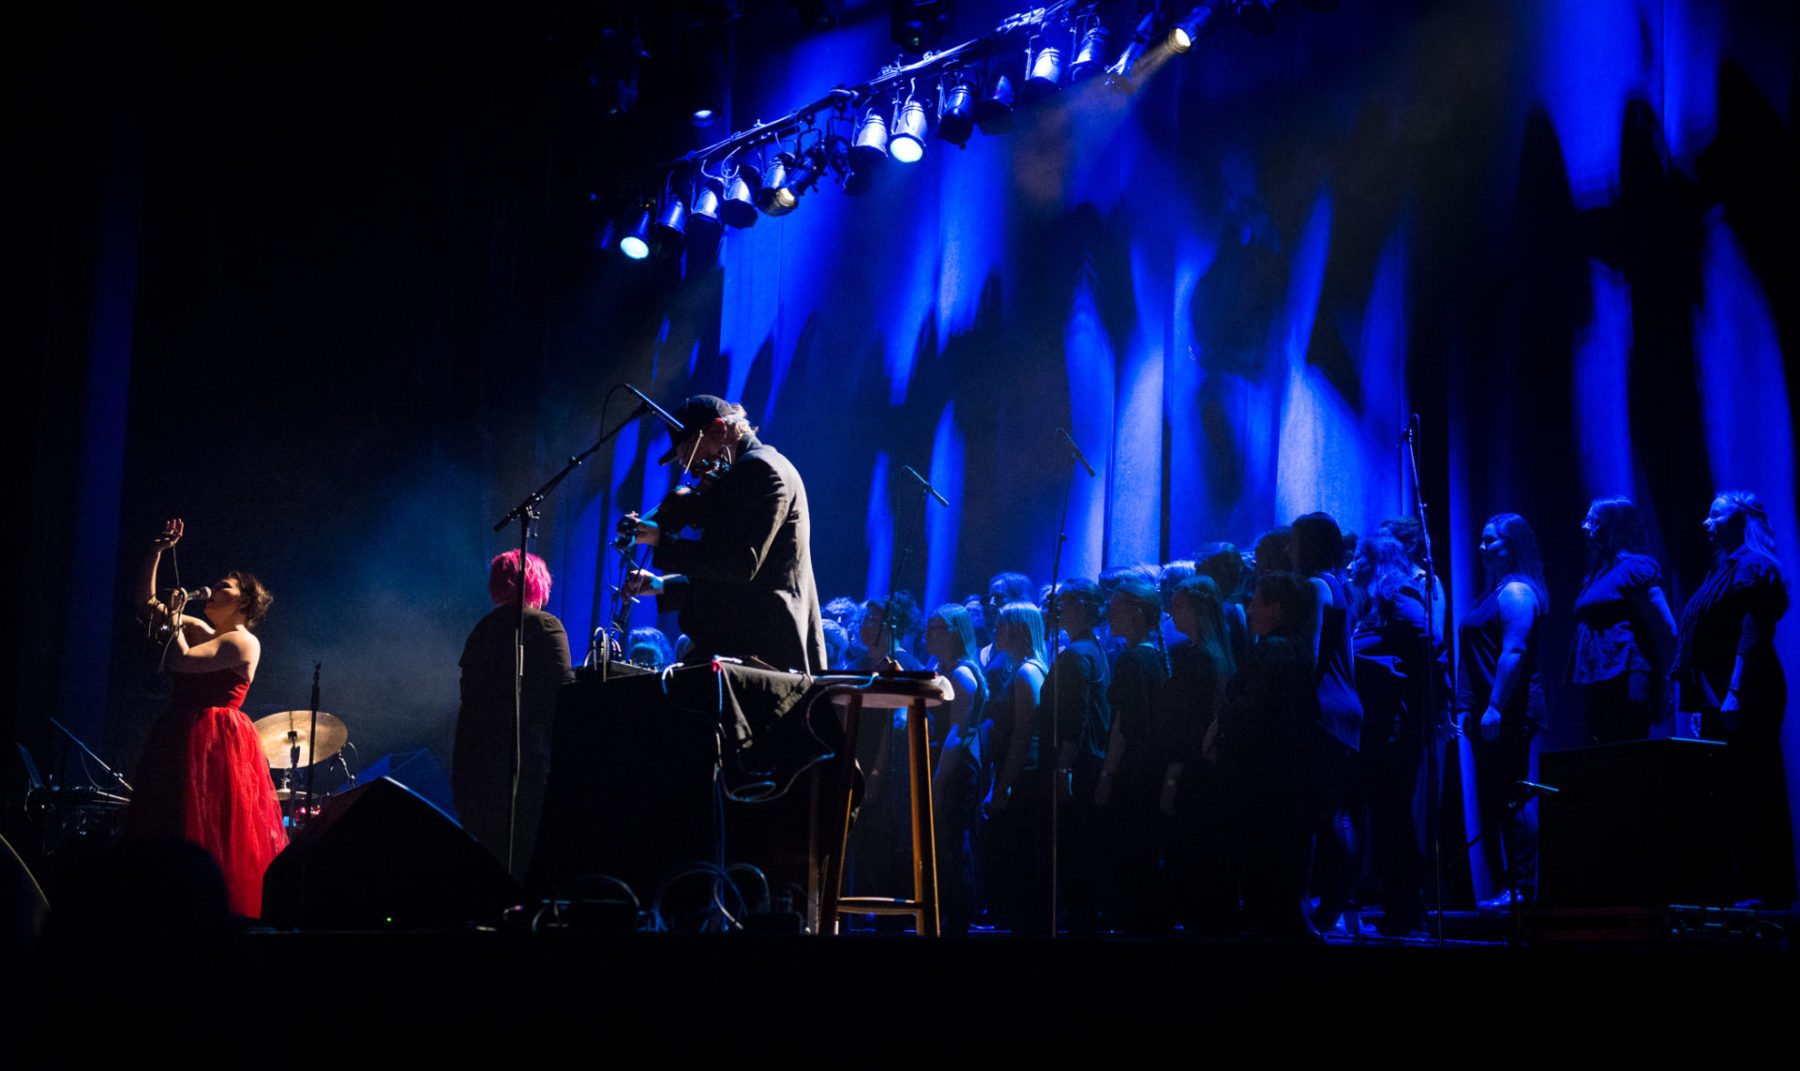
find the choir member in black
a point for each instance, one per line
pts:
(1003, 590)
(1624, 631)
(1198, 854)
(1224, 563)
(1264, 743)
(961, 775)
(1018, 799)
(1412, 537)
(482, 761)
(1394, 653)
(1075, 698)
(1733, 685)
(1318, 551)
(883, 857)
(1499, 697)
(885, 625)
(1137, 756)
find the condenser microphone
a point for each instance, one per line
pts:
(651, 407)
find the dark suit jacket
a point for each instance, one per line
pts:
(744, 587)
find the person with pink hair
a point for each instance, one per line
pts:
(482, 766)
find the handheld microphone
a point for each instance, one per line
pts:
(199, 594)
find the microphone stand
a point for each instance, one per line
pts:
(312, 743)
(110, 772)
(1428, 718)
(926, 494)
(1055, 631)
(526, 513)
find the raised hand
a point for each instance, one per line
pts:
(171, 535)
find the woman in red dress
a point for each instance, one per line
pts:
(203, 777)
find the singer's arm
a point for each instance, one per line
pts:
(148, 606)
(227, 650)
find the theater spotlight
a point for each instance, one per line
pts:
(1255, 16)
(775, 199)
(910, 130)
(870, 148)
(780, 193)
(1119, 74)
(703, 226)
(956, 119)
(670, 224)
(706, 203)
(994, 114)
(738, 209)
(636, 241)
(1090, 58)
(1184, 34)
(1045, 73)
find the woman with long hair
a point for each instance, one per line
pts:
(1394, 653)
(1082, 720)
(1196, 854)
(1499, 697)
(203, 777)
(1624, 631)
(1019, 795)
(1733, 686)
(1137, 751)
(1267, 724)
(960, 779)
(1318, 554)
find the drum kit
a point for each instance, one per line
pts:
(296, 740)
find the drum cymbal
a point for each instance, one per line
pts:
(277, 734)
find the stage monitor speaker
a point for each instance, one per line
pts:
(380, 857)
(1637, 824)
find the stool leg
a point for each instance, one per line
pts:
(924, 835)
(846, 783)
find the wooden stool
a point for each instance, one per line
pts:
(913, 692)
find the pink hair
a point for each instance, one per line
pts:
(503, 580)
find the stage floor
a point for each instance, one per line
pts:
(351, 994)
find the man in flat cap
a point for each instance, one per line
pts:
(744, 587)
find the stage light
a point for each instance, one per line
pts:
(870, 149)
(636, 242)
(1118, 75)
(738, 209)
(956, 121)
(706, 203)
(810, 169)
(1184, 34)
(1090, 58)
(910, 130)
(1046, 73)
(704, 116)
(994, 114)
(670, 224)
(777, 196)
(1255, 16)
(702, 222)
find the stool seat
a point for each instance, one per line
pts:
(915, 693)
(888, 691)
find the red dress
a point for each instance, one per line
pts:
(204, 779)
